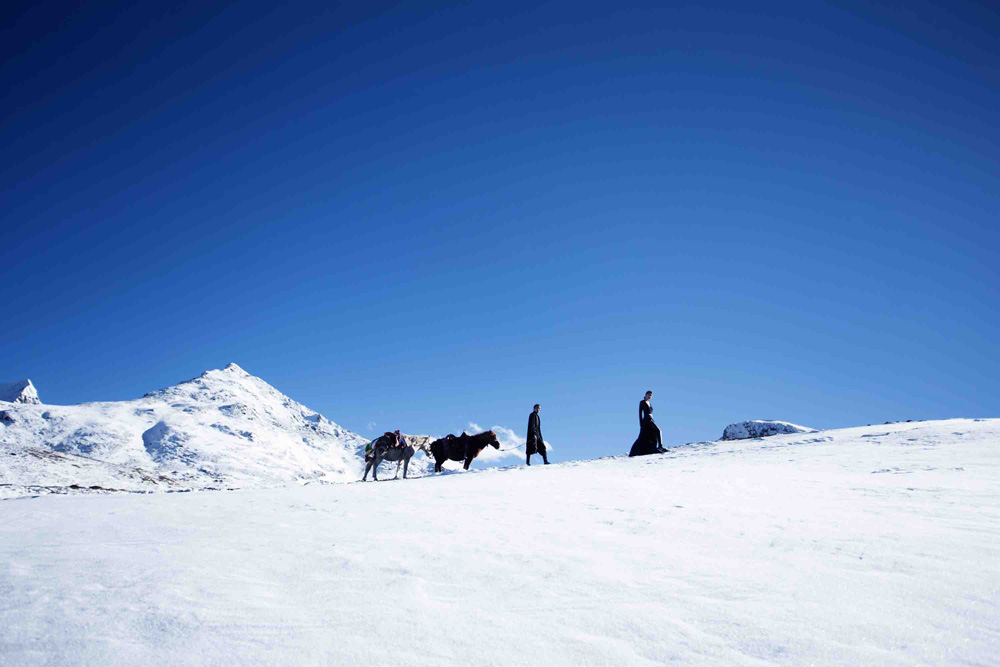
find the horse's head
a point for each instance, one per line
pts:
(493, 440)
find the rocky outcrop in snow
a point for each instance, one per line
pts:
(759, 428)
(19, 392)
(222, 429)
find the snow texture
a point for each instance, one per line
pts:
(760, 428)
(19, 392)
(862, 546)
(223, 429)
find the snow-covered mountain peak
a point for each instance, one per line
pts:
(230, 371)
(219, 383)
(19, 392)
(223, 428)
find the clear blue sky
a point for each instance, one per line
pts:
(428, 215)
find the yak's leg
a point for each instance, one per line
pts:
(468, 460)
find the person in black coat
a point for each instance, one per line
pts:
(535, 443)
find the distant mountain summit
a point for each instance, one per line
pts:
(223, 429)
(19, 392)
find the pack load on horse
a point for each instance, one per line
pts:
(390, 446)
(461, 448)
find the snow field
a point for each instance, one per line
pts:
(874, 546)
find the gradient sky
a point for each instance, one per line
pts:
(420, 216)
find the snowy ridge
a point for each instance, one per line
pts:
(19, 392)
(223, 429)
(864, 546)
(760, 428)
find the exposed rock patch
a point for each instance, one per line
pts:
(761, 428)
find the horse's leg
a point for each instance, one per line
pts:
(406, 465)
(398, 463)
(375, 468)
(368, 467)
(470, 453)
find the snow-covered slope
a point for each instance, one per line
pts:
(865, 546)
(225, 428)
(19, 392)
(759, 428)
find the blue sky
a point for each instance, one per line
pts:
(419, 217)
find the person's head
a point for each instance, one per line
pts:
(396, 432)
(649, 395)
(537, 407)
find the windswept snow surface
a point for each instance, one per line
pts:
(865, 546)
(760, 428)
(225, 428)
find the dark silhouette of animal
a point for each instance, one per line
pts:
(461, 448)
(385, 449)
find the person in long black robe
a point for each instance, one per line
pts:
(649, 441)
(535, 443)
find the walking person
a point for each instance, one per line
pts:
(535, 443)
